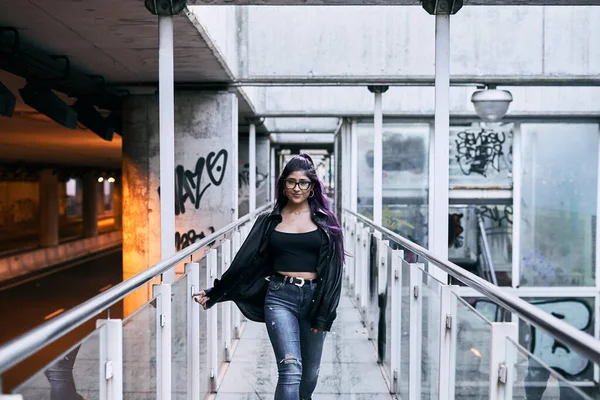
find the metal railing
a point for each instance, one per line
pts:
(35, 340)
(436, 336)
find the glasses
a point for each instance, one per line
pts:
(291, 184)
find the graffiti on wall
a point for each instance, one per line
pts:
(190, 185)
(183, 240)
(496, 216)
(479, 151)
(23, 210)
(244, 182)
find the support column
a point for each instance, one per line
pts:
(252, 168)
(117, 203)
(353, 131)
(378, 153)
(49, 215)
(90, 205)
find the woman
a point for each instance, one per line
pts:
(288, 273)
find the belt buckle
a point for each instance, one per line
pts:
(299, 285)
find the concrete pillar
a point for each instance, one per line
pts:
(90, 205)
(263, 167)
(49, 215)
(117, 203)
(206, 175)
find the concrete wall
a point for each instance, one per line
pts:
(19, 207)
(206, 172)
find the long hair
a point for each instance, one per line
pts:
(318, 201)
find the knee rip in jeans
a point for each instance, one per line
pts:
(289, 359)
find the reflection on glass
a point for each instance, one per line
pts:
(473, 343)
(558, 205)
(430, 341)
(72, 376)
(481, 156)
(577, 312)
(534, 380)
(364, 159)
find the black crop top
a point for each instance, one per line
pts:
(295, 252)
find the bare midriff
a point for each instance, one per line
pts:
(304, 275)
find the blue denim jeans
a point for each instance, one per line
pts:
(297, 349)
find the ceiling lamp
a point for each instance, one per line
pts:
(491, 104)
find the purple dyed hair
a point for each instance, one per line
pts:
(318, 201)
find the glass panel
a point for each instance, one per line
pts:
(481, 157)
(577, 312)
(405, 329)
(373, 272)
(558, 205)
(219, 308)
(364, 134)
(386, 312)
(473, 341)
(179, 351)
(73, 374)
(406, 180)
(139, 353)
(535, 380)
(467, 247)
(430, 341)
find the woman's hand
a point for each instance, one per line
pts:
(201, 298)
(315, 331)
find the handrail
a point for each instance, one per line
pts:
(570, 336)
(27, 344)
(487, 255)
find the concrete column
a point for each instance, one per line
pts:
(90, 205)
(117, 203)
(263, 166)
(206, 175)
(49, 216)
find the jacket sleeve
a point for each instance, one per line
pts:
(239, 265)
(326, 313)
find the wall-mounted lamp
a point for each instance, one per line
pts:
(101, 179)
(491, 104)
(111, 180)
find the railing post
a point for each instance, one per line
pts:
(211, 324)
(192, 271)
(358, 265)
(352, 250)
(501, 366)
(447, 342)
(235, 318)
(396, 308)
(162, 293)
(226, 306)
(364, 278)
(416, 327)
(111, 358)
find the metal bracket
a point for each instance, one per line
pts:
(165, 7)
(442, 7)
(502, 373)
(163, 320)
(416, 292)
(448, 321)
(108, 370)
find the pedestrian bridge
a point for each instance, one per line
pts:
(401, 333)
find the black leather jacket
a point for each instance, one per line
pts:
(245, 284)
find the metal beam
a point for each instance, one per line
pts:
(427, 116)
(390, 2)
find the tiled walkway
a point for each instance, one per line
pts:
(349, 368)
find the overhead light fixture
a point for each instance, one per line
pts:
(111, 180)
(101, 179)
(46, 102)
(491, 104)
(8, 101)
(93, 120)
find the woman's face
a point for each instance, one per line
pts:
(298, 187)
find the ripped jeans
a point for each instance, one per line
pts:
(297, 349)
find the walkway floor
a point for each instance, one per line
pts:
(349, 368)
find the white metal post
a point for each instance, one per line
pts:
(440, 152)
(353, 166)
(447, 357)
(378, 159)
(162, 293)
(358, 261)
(396, 307)
(192, 271)
(252, 168)
(351, 248)
(236, 318)
(166, 93)
(416, 327)
(364, 278)
(517, 176)
(211, 324)
(111, 359)
(501, 367)
(226, 306)
(272, 174)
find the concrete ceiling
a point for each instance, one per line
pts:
(394, 2)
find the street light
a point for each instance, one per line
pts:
(491, 104)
